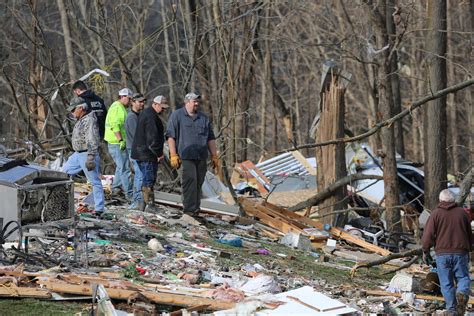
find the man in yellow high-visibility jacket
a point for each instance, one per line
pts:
(115, 137)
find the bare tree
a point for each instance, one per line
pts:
(434, 115)
(380, 13)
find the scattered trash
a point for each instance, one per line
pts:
(262, 252)
(231, 240)
(155, 245)
(296, 240)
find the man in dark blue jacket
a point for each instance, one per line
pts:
(94, 102)
(147, 148)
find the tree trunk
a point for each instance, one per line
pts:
(380, 13)
(169, 64)
(395, 79)
(67, 40)
(434, 115)
(470, 93)
(331, 159)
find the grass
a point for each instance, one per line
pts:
(29, 306)
(299, 263)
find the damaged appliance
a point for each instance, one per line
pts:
(32, 194)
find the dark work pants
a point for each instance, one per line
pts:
(192, 178)
(148, 171)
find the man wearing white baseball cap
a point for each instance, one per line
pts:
(115, 136)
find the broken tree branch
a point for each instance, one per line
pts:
(390, 121)
(465, 187)
(330, 189)
(403, 266)
(413, 252)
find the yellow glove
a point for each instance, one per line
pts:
(216, 163)
(175, 161)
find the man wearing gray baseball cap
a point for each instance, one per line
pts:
(190, 138)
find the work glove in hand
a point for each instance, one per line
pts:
(123, 145)
(427, 259)
(175, 161)
(90, 163)
(216, 163)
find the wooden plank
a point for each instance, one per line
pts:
(275, 223)
(89, 279)
(278, 224)
(23, 292)
(157, 297)
(188, 310)
(334, 231)
(302, 160)
(418, 296)
(280, 216)
(290, 198)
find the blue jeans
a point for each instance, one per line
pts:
(149, 170)
(453, 267)
(137, 179)
(122, 168)
(76, 163)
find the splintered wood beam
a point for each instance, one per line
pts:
(23, 292)
(157, 297)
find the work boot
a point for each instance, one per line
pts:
(141, 205)
(146, 197)
(150, 202)
(461, 299)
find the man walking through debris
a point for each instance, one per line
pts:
(85, 142)
(190, 137)
(138, 102)
(449, 230)
(148, 147)
(115, 137)
(94, 102)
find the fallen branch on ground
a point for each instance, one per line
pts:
(413, 252)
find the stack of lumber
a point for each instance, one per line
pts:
(83, 284)
(286, 221)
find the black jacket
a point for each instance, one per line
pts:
(149, 136)
(96, 104)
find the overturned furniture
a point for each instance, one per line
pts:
(32, 194)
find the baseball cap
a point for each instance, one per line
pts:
(138, 97)
(162, 101)
(75, 102)
(125, 92)
(192, 96)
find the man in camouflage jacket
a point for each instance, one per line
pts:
(85, 143)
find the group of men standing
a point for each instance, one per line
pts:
(137, 137)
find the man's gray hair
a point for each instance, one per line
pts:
(446, 196)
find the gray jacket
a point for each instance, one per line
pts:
(131, 127)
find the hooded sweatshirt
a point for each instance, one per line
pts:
(448, 229)
(96, 104)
